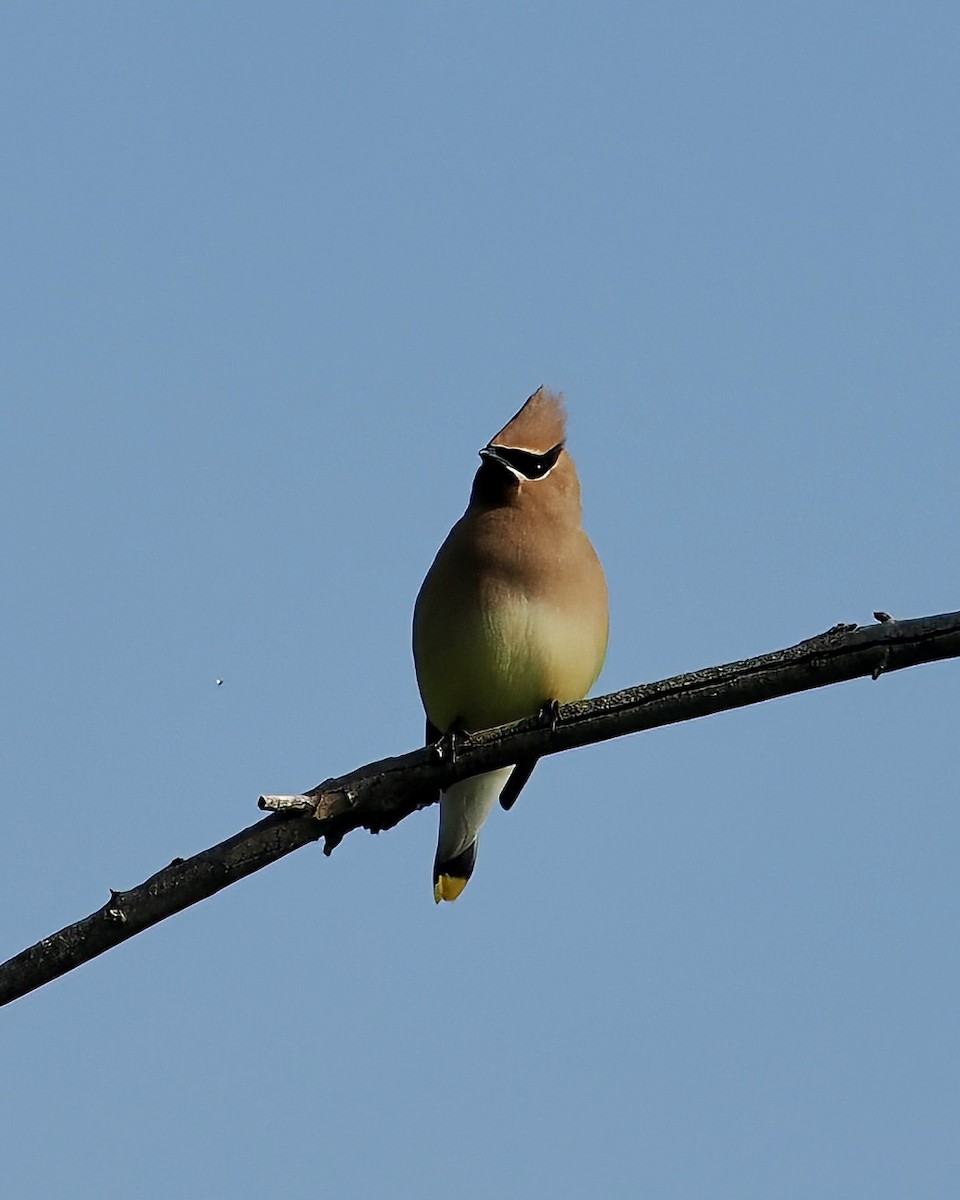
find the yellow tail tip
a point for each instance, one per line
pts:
(448, 887)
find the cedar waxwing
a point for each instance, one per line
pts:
(511, 618)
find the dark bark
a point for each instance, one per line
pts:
(381, 794)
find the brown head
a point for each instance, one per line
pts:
(527, 463)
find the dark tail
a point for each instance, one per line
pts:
(450, 875)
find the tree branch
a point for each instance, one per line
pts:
(381, 794)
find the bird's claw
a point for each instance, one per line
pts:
(450, 743)
(549, 714)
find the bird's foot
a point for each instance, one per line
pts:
(549, 714)
(449, 744)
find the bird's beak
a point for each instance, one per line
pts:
(491, 453)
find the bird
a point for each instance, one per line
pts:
(511, 619)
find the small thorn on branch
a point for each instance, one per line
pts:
(330, 842)
(881, 666)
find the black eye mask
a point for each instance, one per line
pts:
(525, 462)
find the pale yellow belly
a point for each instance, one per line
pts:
(487, 667)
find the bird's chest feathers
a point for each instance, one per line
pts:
(505, 653)
(507, 619)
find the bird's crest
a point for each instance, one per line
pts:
(538, 426)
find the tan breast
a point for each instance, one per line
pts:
(495, 639)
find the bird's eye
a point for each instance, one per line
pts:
(528, 464)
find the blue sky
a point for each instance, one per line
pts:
(272, 275)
